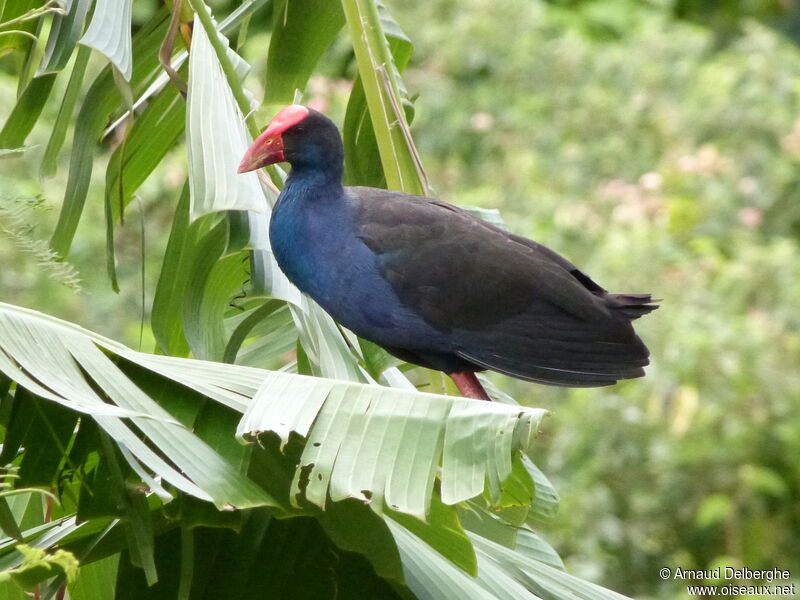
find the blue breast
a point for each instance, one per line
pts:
(314, 237)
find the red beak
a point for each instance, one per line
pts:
(268, 147)
(263, 152)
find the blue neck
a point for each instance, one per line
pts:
(314, 185)
(309, 224)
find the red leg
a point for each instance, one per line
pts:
(469, 386)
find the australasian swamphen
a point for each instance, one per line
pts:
(431, 283)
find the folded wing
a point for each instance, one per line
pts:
(507, 303)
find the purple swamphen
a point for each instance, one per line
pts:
(433, 284)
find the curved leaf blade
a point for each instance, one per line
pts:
(26, 111)
(216, 138)
(101, 101)
(64, 34)
(386, 443)
(165, 316)
(302, 31)
(110, 34)
(430, 576)
(154, 133)
(541, 578)
(55, 356)
(59, 133)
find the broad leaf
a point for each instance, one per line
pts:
(217, 138)
(443, 532)
(503, 574)
(110, 34)
(95, 580)
(379, 445)
(272, 331)
(364, 441)
(302, 31)
(385, 444)
(44, 355)
(548, 582)
(213, 281)
(430, 576)
(545, 500)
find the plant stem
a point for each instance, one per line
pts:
(35, 13)
(375, 66)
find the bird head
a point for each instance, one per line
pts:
(298, 135)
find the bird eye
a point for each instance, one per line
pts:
(300, 130)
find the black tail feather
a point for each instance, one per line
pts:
(632, 306)
(558, 349)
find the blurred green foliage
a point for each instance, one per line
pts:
(654, 157)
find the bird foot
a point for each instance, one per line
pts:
(469, 386)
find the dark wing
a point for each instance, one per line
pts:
(508, 303)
